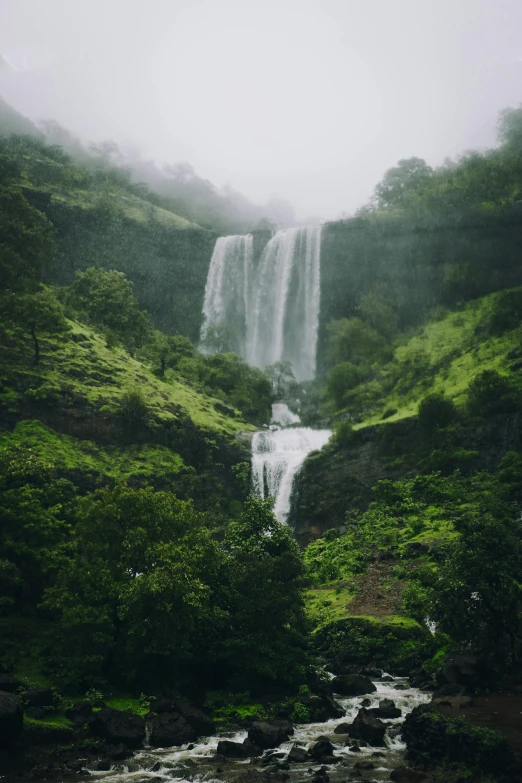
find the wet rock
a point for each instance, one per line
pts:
(231, 750)
(251, 749)
(118, 752)
(450, 689)
(9, 684)
(386, 678)
(364, 765)
(297, 755)
(353, 685)
(342, 728)
(406, 775)
(367, 727)
(372, 672)
(321, 707)
(323, 747)
(11, 719)
(270, 734)
(321, 776)
(467, 670)
(386, 710)
(35, 712)
(331, 759)
(40, 697)
(170, 728)
(118, 726)
(366, 703)
(354, 747)
(80, 713)
(200, 722)
(103, 765)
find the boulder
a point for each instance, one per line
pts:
(9, 684)
(11, 719)
(80, 713)
(353, 685)
(195, 717)
(386, 710)
(466, 670)
(118, 752)
(364, 765)
(342, 728)
(321, 707)
(117, 726)
(170, 728)
(231, 750)
(323, 747)
(367, 727)
(297, 755)
(40, 697)
(406, 775)
(270, 734)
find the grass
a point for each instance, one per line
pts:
(90, 371)
(71, 455)
(329, 604)
(443, 357)
(49, 722)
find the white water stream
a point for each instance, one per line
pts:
(278, 454)
(194, 763)
(269, 312)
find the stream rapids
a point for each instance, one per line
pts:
(196, 763)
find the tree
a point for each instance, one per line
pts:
(342, 378)
(282, 379)
(436, 411)
(403, 179)
(26, 242)
(106, 299)
(489, 392)
(477, 598)
(37, 313)
(351, 340)
(509, 127)
(378, 314)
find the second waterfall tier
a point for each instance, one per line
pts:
(277, 455)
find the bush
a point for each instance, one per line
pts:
(436, 412)
(507, 312)
(134, 410)
(489, 392)
(344, 433)
(342, 378)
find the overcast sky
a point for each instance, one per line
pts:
(308, 100)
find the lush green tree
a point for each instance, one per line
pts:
(435, 412)
(489, 392)
(477, 597)
(105, 298)
(266, 626)
(400, 181)
(135, 586)
(378, 314)
(342, 378)
(26, 242)
(38, 313)
(282, 378)
(351, 340)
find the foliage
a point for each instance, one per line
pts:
(341, 378)
(489, 393)
(134, 410)
(105, 299)
(351, 340)
(436, 412)
(507, 311)
(38, 313)
(401, 181)
(344, 433)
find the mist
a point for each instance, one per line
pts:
(305, 100)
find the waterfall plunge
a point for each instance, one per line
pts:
(277, 455)
(271, 313)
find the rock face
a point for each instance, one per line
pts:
(195, 717)
(270, 734)
(368, 728)
(117, 726)
(170, 728)
(11, 719)
(231, 750)
(321, 707)
(9, 684)
(80, 713)
(353, 685)
(297, 755)
(342, 728)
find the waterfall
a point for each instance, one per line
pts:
(227, 292)
(277, 455)
(271, 313)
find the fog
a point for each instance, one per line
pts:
(308, 100)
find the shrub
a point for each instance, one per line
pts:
(435, 412)
(134, 410)
(344, 433)
(507, 312)
(489, 392)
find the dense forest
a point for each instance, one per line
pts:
(135, 563)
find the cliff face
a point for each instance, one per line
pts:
(417, 264)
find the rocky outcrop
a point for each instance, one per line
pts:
(80, 713)
(352, 685)
(368, 728)
(196, 718)
(321, 749)
(117, 726)
(170, 728)
(321, 707)
(270, 734)
(386, 710)
(11, 719)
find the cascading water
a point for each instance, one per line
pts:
(269, 313)
(277, 455)
(227, 292)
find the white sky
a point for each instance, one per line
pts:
(309, 100)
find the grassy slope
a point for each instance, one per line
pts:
(455, 350)
(102, 375)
